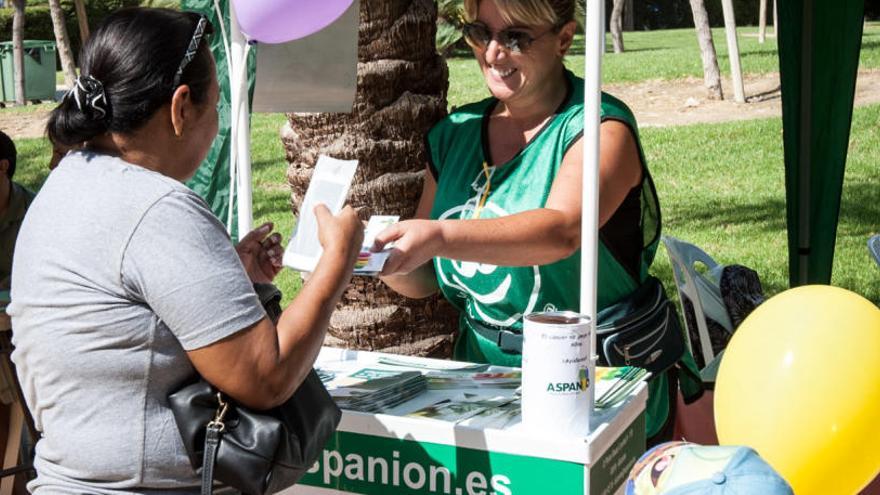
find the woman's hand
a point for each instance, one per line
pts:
(260, 254)
(415, 243)
(342, 234)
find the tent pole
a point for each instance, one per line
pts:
(240, 123)
(594, 47)
(805, 145)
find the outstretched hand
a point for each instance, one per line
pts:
(415, 243)
(260, 252)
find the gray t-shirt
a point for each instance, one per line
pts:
(118, 271)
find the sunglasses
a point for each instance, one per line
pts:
(478, 35)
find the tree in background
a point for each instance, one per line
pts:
(82, 19)
(401, 93)
(18, 49)
(616, 26)
(711, 73)
(68, 66)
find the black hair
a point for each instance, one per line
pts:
(134, 54)
(7, 152)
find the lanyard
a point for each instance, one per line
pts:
(485, 195)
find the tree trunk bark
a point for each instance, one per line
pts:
(18, 50)
(711, 73)
(83, 20)
(617, 26)
(63, 41)
(629, 18)
(401, 93)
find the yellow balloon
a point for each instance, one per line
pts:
(800, 383)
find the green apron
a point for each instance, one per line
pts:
(498, 297)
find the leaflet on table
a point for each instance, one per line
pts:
(475, 409)
(372, 389)
(613, 385)
(472, 409)
(378, 387)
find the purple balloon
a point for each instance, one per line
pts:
(279, 21)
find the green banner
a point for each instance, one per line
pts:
(370, 465)
(211, 181)
(611, 470)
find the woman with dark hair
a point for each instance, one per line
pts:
(498, 226)
(125, 284)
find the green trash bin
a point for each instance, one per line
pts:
(39, 70)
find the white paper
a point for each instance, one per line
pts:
(330, 183)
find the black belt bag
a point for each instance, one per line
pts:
(641, 330)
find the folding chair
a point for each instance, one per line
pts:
(702, 291)
(874, 247)
(16, 457)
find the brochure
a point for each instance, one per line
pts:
(329, 185)
(466, 406)
(368, 262)
(372, 389)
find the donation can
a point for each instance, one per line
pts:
(556, 373)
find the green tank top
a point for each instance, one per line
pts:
(499, 296)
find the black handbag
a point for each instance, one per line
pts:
(641, 330)
(256, 452)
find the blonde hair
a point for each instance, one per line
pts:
(527, 12)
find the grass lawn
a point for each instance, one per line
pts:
(729, 198)
(667, 54)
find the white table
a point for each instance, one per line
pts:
(389, 453)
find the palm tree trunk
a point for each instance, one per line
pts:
(711, 73)
(616, 22)
(18, 50)
(63, 41)
(401, 93)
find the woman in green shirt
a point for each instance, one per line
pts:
(497, 229)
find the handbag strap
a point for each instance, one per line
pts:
(212, 442)
(213, 433)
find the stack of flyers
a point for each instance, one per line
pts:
(613, 385)
(506, 378)
(472, 410)
(375, 390)
(370, 263)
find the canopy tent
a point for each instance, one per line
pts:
(819, 44)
